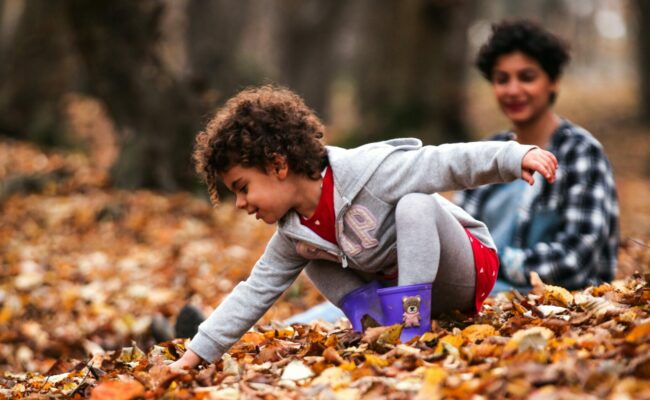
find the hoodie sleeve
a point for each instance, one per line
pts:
(273, 273)
(456, 166)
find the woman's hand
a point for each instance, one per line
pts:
(189, 360)
(541, 161)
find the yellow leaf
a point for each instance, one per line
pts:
(376, 360)
(558, 296)
(348, 366)
(381, 336)
(454, 341)
(431, 386)
(477, 332)
(428, 337)
(390, 335)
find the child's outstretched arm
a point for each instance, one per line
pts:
(273, 273)
(457, 166)
(189, 360)
(541, 161)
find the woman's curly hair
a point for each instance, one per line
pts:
(255, 126)
(550, 51)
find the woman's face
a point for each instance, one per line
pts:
(522, 88)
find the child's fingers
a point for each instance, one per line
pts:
(546, 167)
(527, 176)
(543, 167)
(550, 158)
(541, 161)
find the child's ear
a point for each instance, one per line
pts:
(279, 166)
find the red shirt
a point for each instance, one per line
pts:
(322, 222)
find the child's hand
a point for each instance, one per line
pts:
(189, 360)
(541, 161)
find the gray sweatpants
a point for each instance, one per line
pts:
(432, 246)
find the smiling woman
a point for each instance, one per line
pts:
(566, 232)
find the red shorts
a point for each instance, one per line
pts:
(486, 264)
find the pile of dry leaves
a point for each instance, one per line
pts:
(549, 344)
(84, 268)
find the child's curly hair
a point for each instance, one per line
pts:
(255, 126)
(550, 51)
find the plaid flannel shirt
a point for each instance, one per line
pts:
(584, 248)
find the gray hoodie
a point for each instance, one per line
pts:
(368, 183)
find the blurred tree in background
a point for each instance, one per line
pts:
(642, 9)
(371, 68)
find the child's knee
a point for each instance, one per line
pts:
(414, 206)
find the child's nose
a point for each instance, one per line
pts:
(240, 201)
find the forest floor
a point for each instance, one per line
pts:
(84, 267)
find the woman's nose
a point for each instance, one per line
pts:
(513, 87)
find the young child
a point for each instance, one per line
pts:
(361, 222)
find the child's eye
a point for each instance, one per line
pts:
(244, 189)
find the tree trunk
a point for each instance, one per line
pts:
(643, 50)
(412, 67)
(308, 33)
(219, 63)
(117, 40)
(37, 69)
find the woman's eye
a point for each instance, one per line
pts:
(527, 76)
(500, 79)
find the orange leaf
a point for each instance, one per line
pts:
(485, 350)
(117, 390)
(639, 333)
(253, 338)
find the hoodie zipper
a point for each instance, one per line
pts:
(339, 224)
(340, 254)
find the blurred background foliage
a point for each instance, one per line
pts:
(133, 81)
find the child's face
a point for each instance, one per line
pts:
(522, 88)
(266, 195)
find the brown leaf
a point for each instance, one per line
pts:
(330, 354)
(368, 322)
